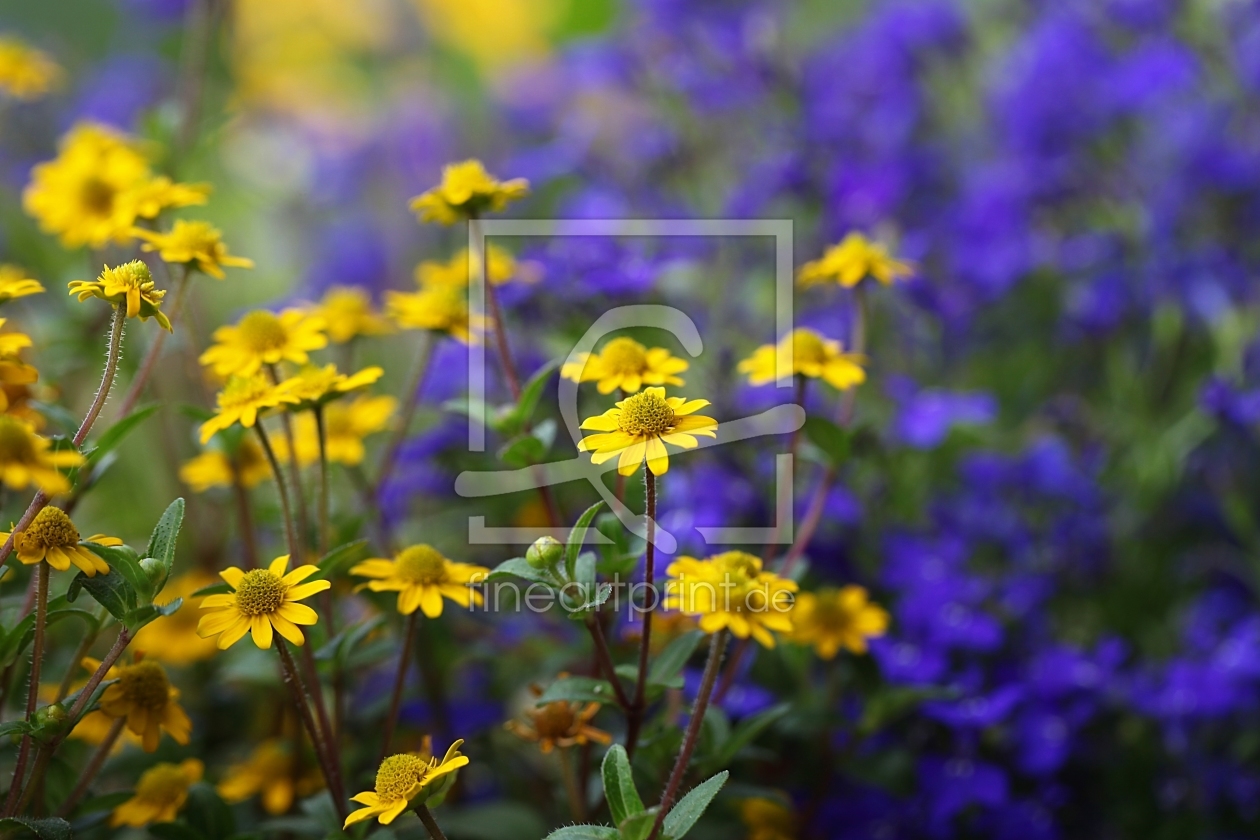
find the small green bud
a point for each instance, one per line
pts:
(544, 553)
(155, 569)
(50, 721)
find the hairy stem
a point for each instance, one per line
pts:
(301, 699)
(324, 516)
(400, 679)
(32, 694)
(717, 644)
(155, 349)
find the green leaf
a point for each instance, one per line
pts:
(580, 689)
(638, 826)
(111, 591)
(524, 450)
(220, 588)
(48, 828)
(208, 813)
(147, 613)
(519, 567)
(104, 802)
(11, 727)
(125, 560)
(576, 537)
(830, 438)
(687, 812)
(117, 433)
(584, 832)
(623, 798)
(518, 416)
(342, 557)
(340, 647)
(671, 660)
(23, 633)
(601, 594)
(165, 535)
(747, 732)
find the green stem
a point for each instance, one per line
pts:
(324, 515)
(155, 348)
(295, 475)
(639, 706)
(577, 807)
(32, 695)
(411, 400)
(295, 556)
(327, 762)
(400, 679)
(426, 817)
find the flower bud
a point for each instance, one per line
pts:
(544, 553)
(49, 722)
(155, 569)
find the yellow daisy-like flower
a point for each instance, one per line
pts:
(52, 536)
(198, 244)
(401, 780)
(439, 308)
(243, 400)
(25, 458)
(160, 794)
(274, 770)
(466, 191)
(265, 338)
(346, 424)
(732, 591)
(130, 285)
(25, 72)
(151, 197)
(215, 468)
(318, 385)
(831, 619)
(173, 638)
(12, 343)
(422, 577)
(501, 268)
(82, 194)
(626, 364)
(853, 260)
(143, 694)
(806, 353)
(348, 313)
(14, 283)
(263, 600)
(767, 819)
(560, 724)
(638, 427)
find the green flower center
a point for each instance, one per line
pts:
(421, 564)
(51, 528)
(243, 390)
(398, 774)
(260, 593)
(808, 347)
(16, 443)
(145, 684)
(97, 196)
(645, 415)
(263, 331)
(624, 356)
(739, 564)
(162, 783)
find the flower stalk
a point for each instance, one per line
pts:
(301, 699)
(290, 535)
(430, 824)
(639, 705)
(32, 695)
(400, 679)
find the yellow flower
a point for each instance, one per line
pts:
(198, 244)
(25, 72)
(626, 364)
(345, 427)
(422, 576)
(14, 342)
(560, 724)
(151, 197)
(265, 338)
(272, 770)
(348, 312)
(263, 600)
(25, 459)
(767, 819)
(160, 793)
(853, 260)
(831, 619)
(242, 400)
(52, 536)
(639, 426)
(731, 591)
(438, 308)
(215, 468)
(807, 353)
(403, 778)
(466, 191)
(173, 638)
(82, 195)
(130, 284)
(317, 385)
(500, 269)
(15, 284)
(144, 696)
